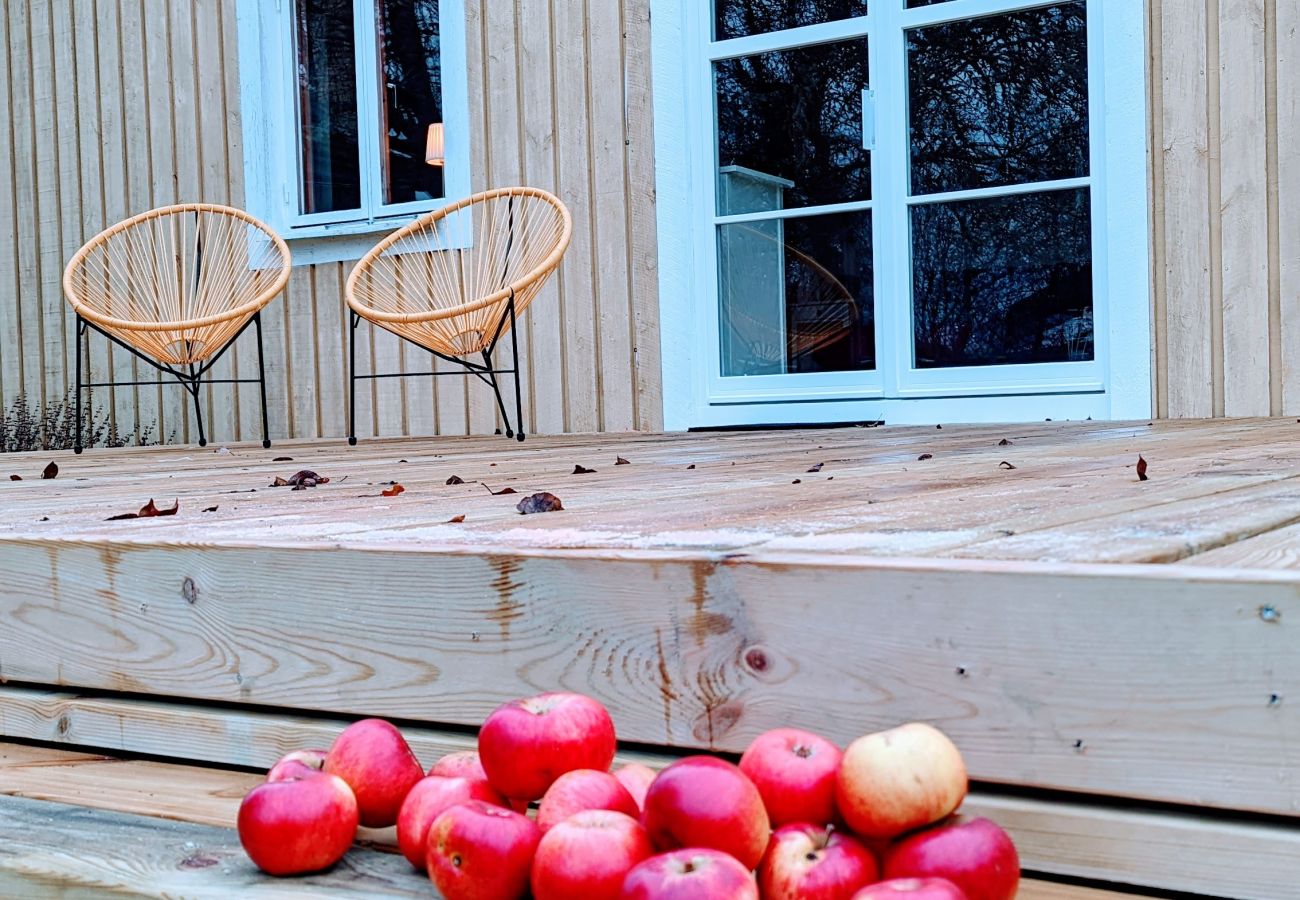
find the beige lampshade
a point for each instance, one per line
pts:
(435, 152)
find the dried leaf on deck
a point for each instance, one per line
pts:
(392, 491)
(455, 520)
(148, 511)
(582, 470)
(455, 479)
(797, 481)
(539, 503)
(50, 471)
(817, 467)
(1004, 443)
(504, 490)
(15, 478)
(1142, 469)
(307, 478)
(211, 508)
(1005, 465)
(283, 459)
(924, 456)
(691, 466)
(280, 482)
(620, 461)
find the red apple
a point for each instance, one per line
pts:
(588, 855)
(636, 778)
(461, 764)
(478, 851)
(895, 781)
(526, 744)
(813, 862)
(298, 764)
(975, 855)
(375, 760)
(911, 889)
(426, 801)
(583, 789)
(701, 801)
(299, 825)
(794, 772)
(693, 873)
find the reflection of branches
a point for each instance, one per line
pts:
(999, 100)
(820, 311)
(737, 18)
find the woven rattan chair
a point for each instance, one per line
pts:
(454, 282)
(176, 286)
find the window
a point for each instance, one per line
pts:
(355, 116)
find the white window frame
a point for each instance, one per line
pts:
(1115, 384)
(273, 141)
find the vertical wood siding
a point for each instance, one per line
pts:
(1225, 101)
(110, 107)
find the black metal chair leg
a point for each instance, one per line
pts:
(496, 389)
(76, 434)
(352, 379)
(514, 349)
(194, 388)
(261, 379)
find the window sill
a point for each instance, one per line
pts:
(340, 241)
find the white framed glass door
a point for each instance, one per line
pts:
(894, 201)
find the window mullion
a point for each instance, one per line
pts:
(369, 91)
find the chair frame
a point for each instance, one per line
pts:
(486, 371)
(192, 380)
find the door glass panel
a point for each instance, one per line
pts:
(999, 100)
(327, 105)
(790, 128)
(410, 57)
(796, 295)
(738, 18)
(1003, 280)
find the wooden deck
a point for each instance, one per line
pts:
(1113, 656)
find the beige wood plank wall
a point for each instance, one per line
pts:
(1224, 90)
(110, 107)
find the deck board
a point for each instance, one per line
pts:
(1073, 494)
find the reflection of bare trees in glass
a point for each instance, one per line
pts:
(737, 18)
(999, 100)
(1003, 280)
(412, 70)
(327, 98)
(797, 114)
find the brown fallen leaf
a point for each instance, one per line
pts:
(1004, 443)
(797, 481)
(539, 503)
(455, 479)
(940, 427)
(392, 491)
(1142, 469)
(924, 456)
(148, 511)
(691, 466)
(279, 482)
(401, 460)
(582, 470)
(620, 461)
(307, 478)
(1005, 465)
(211, 508)
(50, 471)
(817, 467)
(504, 490)
(15, 478)
(455, 520)
(283, 459)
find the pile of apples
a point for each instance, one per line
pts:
(797, 818)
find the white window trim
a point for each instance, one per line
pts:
(1117, 385)
(272, 143)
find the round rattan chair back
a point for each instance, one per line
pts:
(179, 282)
(445, 280)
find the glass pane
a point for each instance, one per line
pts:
(999, 100)
(790, 128)
(796, 295)
(411, 66)
(1003, 280)
(737, 18)
(327, 105)
(917, 4)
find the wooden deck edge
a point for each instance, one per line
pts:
(122, 854)
(1131, 845)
